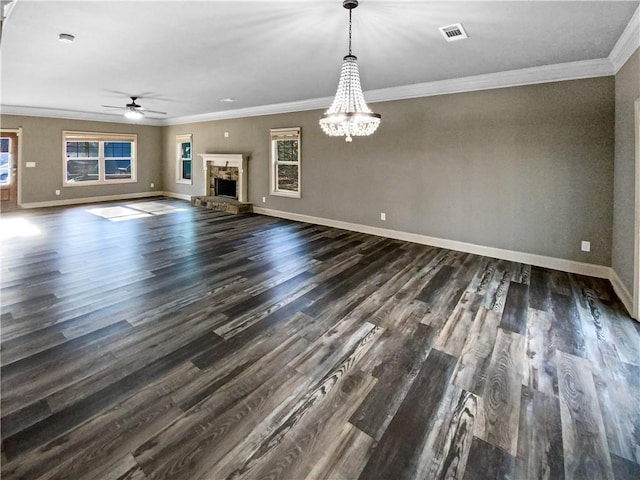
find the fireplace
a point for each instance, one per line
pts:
(225, 188)
(230, 168)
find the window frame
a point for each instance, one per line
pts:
(278, 134)
(10, 162)
(180, 139)
(101, 138)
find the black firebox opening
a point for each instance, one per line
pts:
(225, 188)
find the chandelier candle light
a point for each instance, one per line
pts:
(349, 114)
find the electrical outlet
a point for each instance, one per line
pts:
(585, 246)
(153, 185)
(226, 134)
(57, 192)
(383, 216)
(264, 199)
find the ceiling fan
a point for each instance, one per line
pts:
(133, 110)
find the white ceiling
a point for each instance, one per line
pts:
(183, 57)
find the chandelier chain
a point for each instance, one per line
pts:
(349, 31)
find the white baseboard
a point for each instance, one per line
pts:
(179, 196)
(571, 266)
(76, 201)
(621, 290)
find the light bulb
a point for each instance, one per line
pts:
(133, 114)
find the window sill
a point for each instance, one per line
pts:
(185, 182)
(93, 184)
(286, 194)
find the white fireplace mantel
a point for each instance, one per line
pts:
(236, 160)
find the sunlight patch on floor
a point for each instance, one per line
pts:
(17, 227)
(156, 208)
(134, 210)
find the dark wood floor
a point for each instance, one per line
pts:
(183, 343)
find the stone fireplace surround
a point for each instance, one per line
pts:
(224, 166)
(227, 166)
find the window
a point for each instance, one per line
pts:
(5, 161)
(94, 158)
(184, 160)
(285, 162)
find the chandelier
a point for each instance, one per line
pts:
(349, 115)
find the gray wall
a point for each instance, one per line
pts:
(528, 169)
(627, 90)
(42, 143)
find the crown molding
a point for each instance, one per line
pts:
(513, 78)
(559, 72)
(627, 44)
(273, 109)
(601, 67)
(74, 115)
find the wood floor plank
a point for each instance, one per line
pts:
(540, 455)
(446, 449)
(454, 333)
(621, 415)
(397, 455)
(514, 315)
(487, 461)
(502, 392)
(567, 328)
(395, 374)
(624, 469)
(471, 370)
(309, 430)
(338, 355)
(350, 452)
(539, 290)
(82, 450)
(586, 451)
(540, 371)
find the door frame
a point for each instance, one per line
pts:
(18, 132)
(636, 272)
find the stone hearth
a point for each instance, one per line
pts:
(222, 204)
(224, 166)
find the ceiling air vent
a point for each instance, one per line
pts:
(452, 33)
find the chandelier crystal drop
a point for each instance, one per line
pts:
(349, 114)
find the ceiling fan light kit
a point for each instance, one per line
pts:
(133, 114)
(133, 111)
(349, 114)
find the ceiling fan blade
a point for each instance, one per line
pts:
(113, 106)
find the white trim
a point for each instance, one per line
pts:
(26, 111)
(621, 290)
(179, 196)
(636, 270)
(180, 139)
(17, 131)
(292, 133)
(76, 201)
(627, 44)
(600, 67)
(273, 109)
(236, 160)
(101, 138)
(570, 266)
(513, 78)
